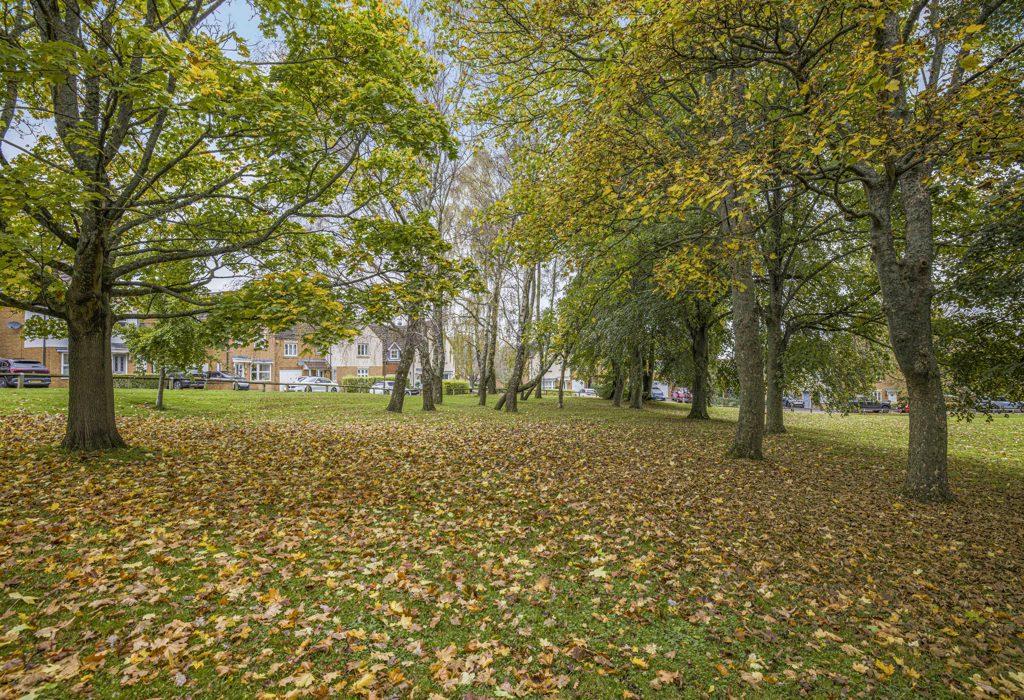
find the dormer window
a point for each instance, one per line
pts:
(394, 353)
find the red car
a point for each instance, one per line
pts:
(681, 396)
(35, 373)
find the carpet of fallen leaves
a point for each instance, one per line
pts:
(468, 559)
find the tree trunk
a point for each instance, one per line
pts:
(540, 345)
(160, 388)
(511, 404)
(427, 385)
(91, 424)
(699, 353)
(397, 400)
(906, 286)
(636, 383)
(561, 385)
(749, 362)
(774, 353)
(437, 357)
(618, 384)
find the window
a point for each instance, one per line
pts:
(119, 363)
(363, 372)
(261, 371)
(65, 366)
(263, 342)
(291, 348)
(240, 370)
(363, 350)
(394, 353)
(549, 383)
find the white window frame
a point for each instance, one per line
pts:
(261, 371)
(241, 370)
(549, 383)
(116, 359)
(362, 371)
(362, 349)
(65, 365)
(291, 348)
(394, 353)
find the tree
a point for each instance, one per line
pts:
(881, 106)
(176, 342)
(166, 156)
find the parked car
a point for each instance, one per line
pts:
(310, 384)
(682, 396)
(870, 406)
(237, 383)
(998, 406)
(657, 394)
(35, 373)
(792, 402)
(588, 393)
(386, 388)
(187, 380)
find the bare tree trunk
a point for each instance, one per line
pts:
(636, 383)
(427, 385)
(618, 383)
(699, 329)
(397, 400)
(91, 424)
(438, 354)
(906, 285)
(561, 385)
(514, 380)
(160, 388)
(775, 350)
(749, 362)
(540, 346)
(749, 355)
(489, 382)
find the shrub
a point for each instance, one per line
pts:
(455, 387)
(357, 384)
(136, 382)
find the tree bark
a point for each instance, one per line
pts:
(489, 381)
(749, 362)
(906, 285)
(775, 350)
(427, 385)
(636, 382)
(91, 424)
(397, 400)
(511, 404)
(160, 388)
(437, 355)
(561, 385)
(540, 345)
(618, 385)
(699, 329)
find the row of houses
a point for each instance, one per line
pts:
(275, 358)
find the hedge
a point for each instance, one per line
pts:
(357, 384)
(455, 387)
(136, 382)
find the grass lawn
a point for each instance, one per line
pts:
(287, 544)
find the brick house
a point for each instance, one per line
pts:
(276, 358)
(53, 352)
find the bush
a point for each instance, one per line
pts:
(138, 381)
(357, 384)
(455, 387)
